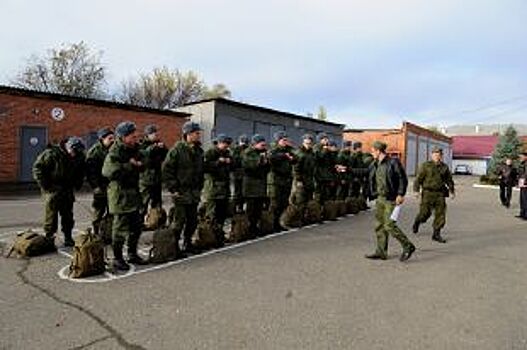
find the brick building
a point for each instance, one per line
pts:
(411, 143)
(30, 120)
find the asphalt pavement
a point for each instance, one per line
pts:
(306, 289)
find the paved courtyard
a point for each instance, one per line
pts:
(305, 289)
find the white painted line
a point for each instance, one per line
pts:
(492, 187)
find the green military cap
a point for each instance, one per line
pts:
(380, 146)
(436, 149)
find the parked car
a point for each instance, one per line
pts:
(462, 169)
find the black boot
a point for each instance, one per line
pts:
(437, 237)
(133, 257)
(118, 262)
(407, 253)
(68, 241)
(415, 227)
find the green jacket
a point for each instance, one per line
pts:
(345, 158)
(237, 155)
(256, 167)
(182, 172)
(434, 177)
(281, 167)
(153, 157)
(325, 166)
(217, 174)
(56, 172)
(94, 162)
(123, 189)
(304, 169)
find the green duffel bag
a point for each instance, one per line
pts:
(88, 256)
(352, 205)
(291, 217)
(266, 222)
(239, 228)
(363, 204)
(313, 212)
(164, 246)
(342, 210)
(29, 243)
(330, 210)
(156, 218)
(205, 235)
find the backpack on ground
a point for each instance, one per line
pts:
(156, 218)
(291, 217)
(164, 246)
(205, 235)
(29, 243)
(266, 222)
(342, 210)
(363, 204)
(330, 210)
(313, 212)
(239, 228)
(352, 205)
(88, 256)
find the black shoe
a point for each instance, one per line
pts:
(437, 237)
(120, 265)
(407, 253)
(136, 259)
(415, 227)
(375, 256)
(69, 242)
(189, 248)
(520, 217)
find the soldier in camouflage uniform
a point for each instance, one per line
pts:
(153, 151)
(183, 177)
(59, 171)
(304, 173)
(282, 158)
(325, 172)
(256, 166)
(435, 180)
(522, 183)
(388, 184)
(237, 174)
(218, 166)
(99, 184)
(344, 161)
(122, 166)
(359, 184)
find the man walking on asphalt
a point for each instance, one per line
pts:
(522, 183)
(508, 176)
(388, 184)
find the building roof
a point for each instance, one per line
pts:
(408, 127)
(10, 90)
(474, 146)
(263, 109)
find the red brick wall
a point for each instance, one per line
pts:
(81, 119)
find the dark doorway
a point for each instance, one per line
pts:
(33, 140)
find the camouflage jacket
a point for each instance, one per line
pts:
(123, 189)
(94, 162)
(182, 172)
(153, 157)
(55, 171)
(256, 167)
(434, 177)
(281, 167)
(304, 169)
(325, 166)
(217, 174)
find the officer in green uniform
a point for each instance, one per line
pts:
(99, 184)
(183, 177)
(237, 174)
(122, 167)
(154, 152)
(325, 171)
(256, 166)
(435, 181)
(388, 184)
(344, 162)
(282, 158)
(218, 166)
(304, 172)
(59, 171)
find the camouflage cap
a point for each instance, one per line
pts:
(357, 145)
(223, 138)
(257, 139)
(322, 136)
(125, 128)
(74, 143)
(380, 146)
(437, 149)
(102, 133)
(279, 135)
(190, 127)
(308, 137)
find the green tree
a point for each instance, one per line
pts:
(164, 88)
(322, 113)
(72, 69)
(509, 146)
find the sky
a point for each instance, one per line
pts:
(370, 63)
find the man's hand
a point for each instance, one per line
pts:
(417, 194)
(399, 200)
(136, 163)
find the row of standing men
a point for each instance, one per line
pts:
(127, 173)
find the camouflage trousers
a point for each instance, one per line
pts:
(279, 201)
(100, 210)
(325, 191)
(386, 227)
(432, 202)
(217, 209)
(58, 203)
(184, 219)
(301, 194)
(127, 228)
(151, 196)
(255, 206)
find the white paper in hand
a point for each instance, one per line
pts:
(395, 213)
